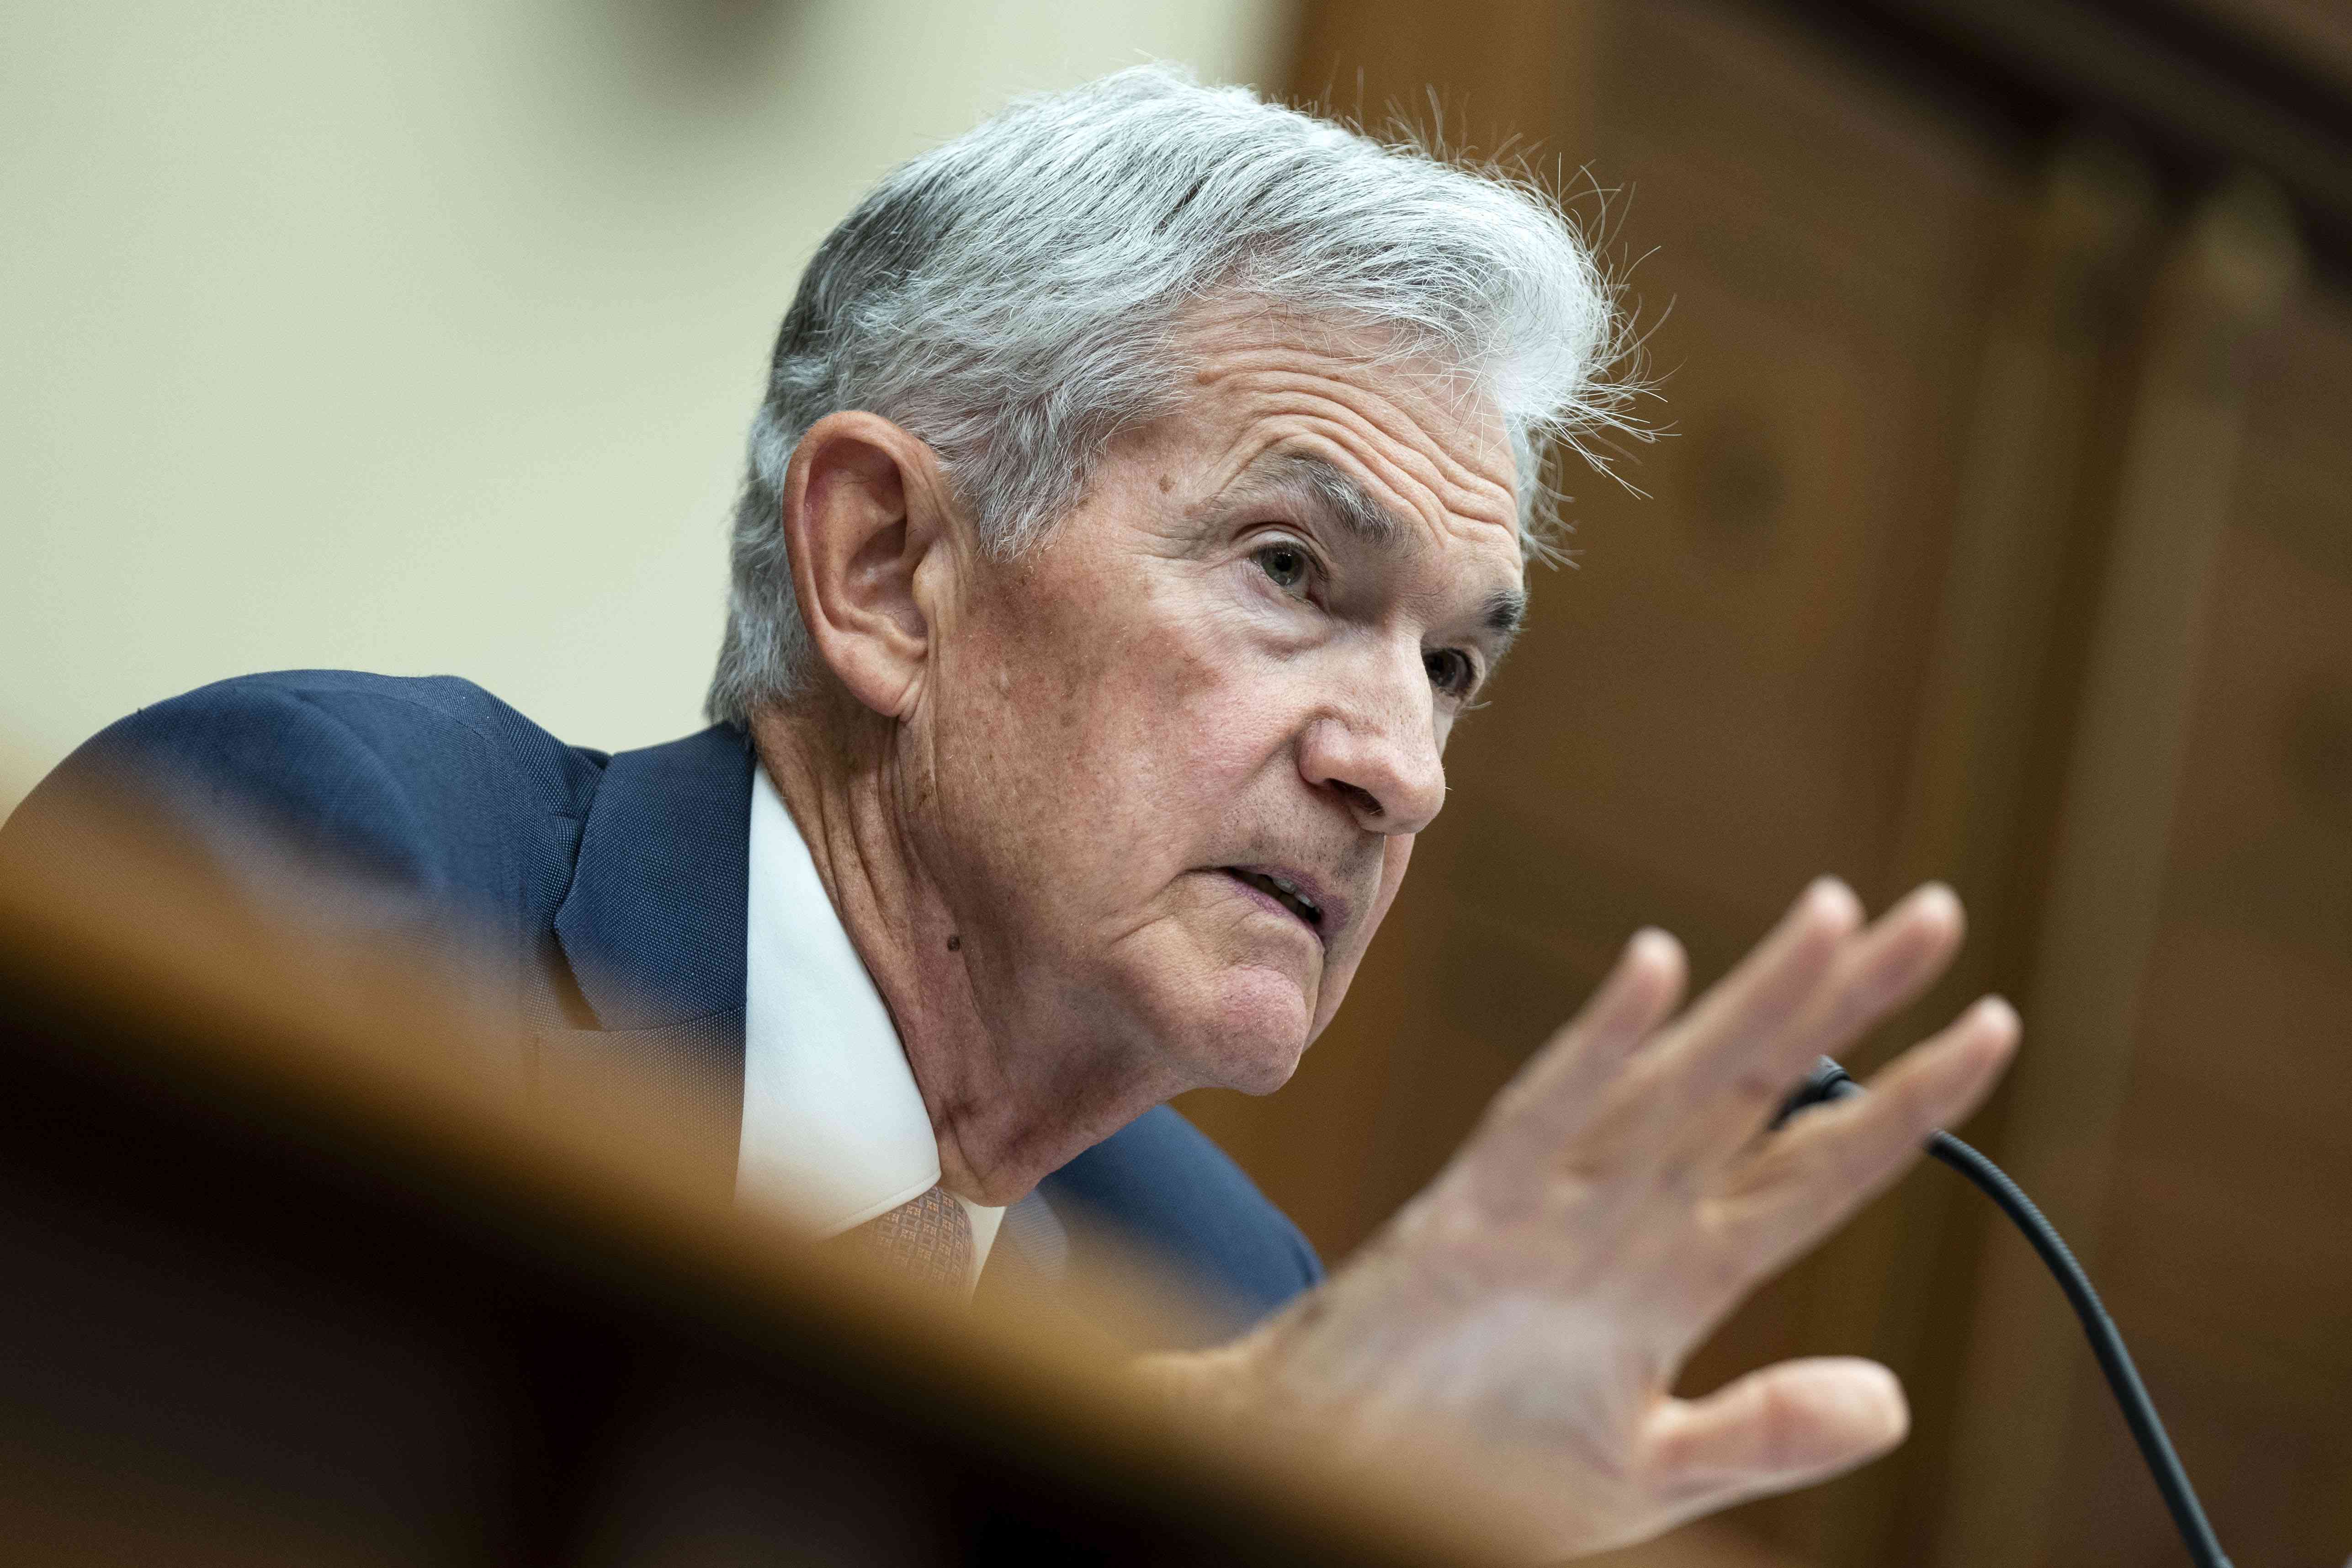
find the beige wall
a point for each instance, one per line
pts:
(421, 337)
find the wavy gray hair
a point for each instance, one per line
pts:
(1014, 298)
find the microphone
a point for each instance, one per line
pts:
(1828, 1081)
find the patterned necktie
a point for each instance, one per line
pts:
(928, 1240)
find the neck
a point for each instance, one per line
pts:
(1003, 1105)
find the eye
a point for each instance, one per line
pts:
(1286, 565)
(1451, 671)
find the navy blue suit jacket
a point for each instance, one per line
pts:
(610, 893)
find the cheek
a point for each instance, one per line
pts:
(1097, 740)
(1148, 692)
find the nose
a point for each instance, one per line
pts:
(1377, 750)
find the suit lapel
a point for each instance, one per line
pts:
(652, 926)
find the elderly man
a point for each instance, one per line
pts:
(1141, 493)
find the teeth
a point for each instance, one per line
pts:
(1288, 892)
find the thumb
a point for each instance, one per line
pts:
(1784, 1426)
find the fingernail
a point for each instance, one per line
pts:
(1939, 897)
(1651, 941)
(1995, 1009)
(1832, 897)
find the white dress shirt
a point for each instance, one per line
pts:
(835, 1132)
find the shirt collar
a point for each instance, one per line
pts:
(835, 1131)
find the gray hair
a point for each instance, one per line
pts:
(1015, 299)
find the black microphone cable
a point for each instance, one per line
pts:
(1829, 1081)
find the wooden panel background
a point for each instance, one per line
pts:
(2222, 1245)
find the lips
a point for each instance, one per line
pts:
(1289, 890)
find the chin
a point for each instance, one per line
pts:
(1252, 1032)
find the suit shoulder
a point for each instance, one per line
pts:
(419, 723)
(390, 773)
(417, 735)
(1162, 1184)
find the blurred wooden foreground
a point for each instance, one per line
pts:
(290, 1278)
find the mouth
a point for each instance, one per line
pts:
(1285, 891)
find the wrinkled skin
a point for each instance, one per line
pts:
(1056, 762)
(1044, 797)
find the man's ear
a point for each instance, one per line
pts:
(865, 508)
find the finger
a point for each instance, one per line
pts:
(1802, 1181)
(1786, 1425)
(1740, 1016)
(1560, 1085)
(1875, 974)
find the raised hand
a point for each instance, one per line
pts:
(1526, 1314)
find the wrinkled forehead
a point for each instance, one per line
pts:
(1369, 396)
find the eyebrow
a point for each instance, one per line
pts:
(1506, 612)
(1340, 497)
(1335, 492)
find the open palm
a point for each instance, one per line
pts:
(1525, 1316)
